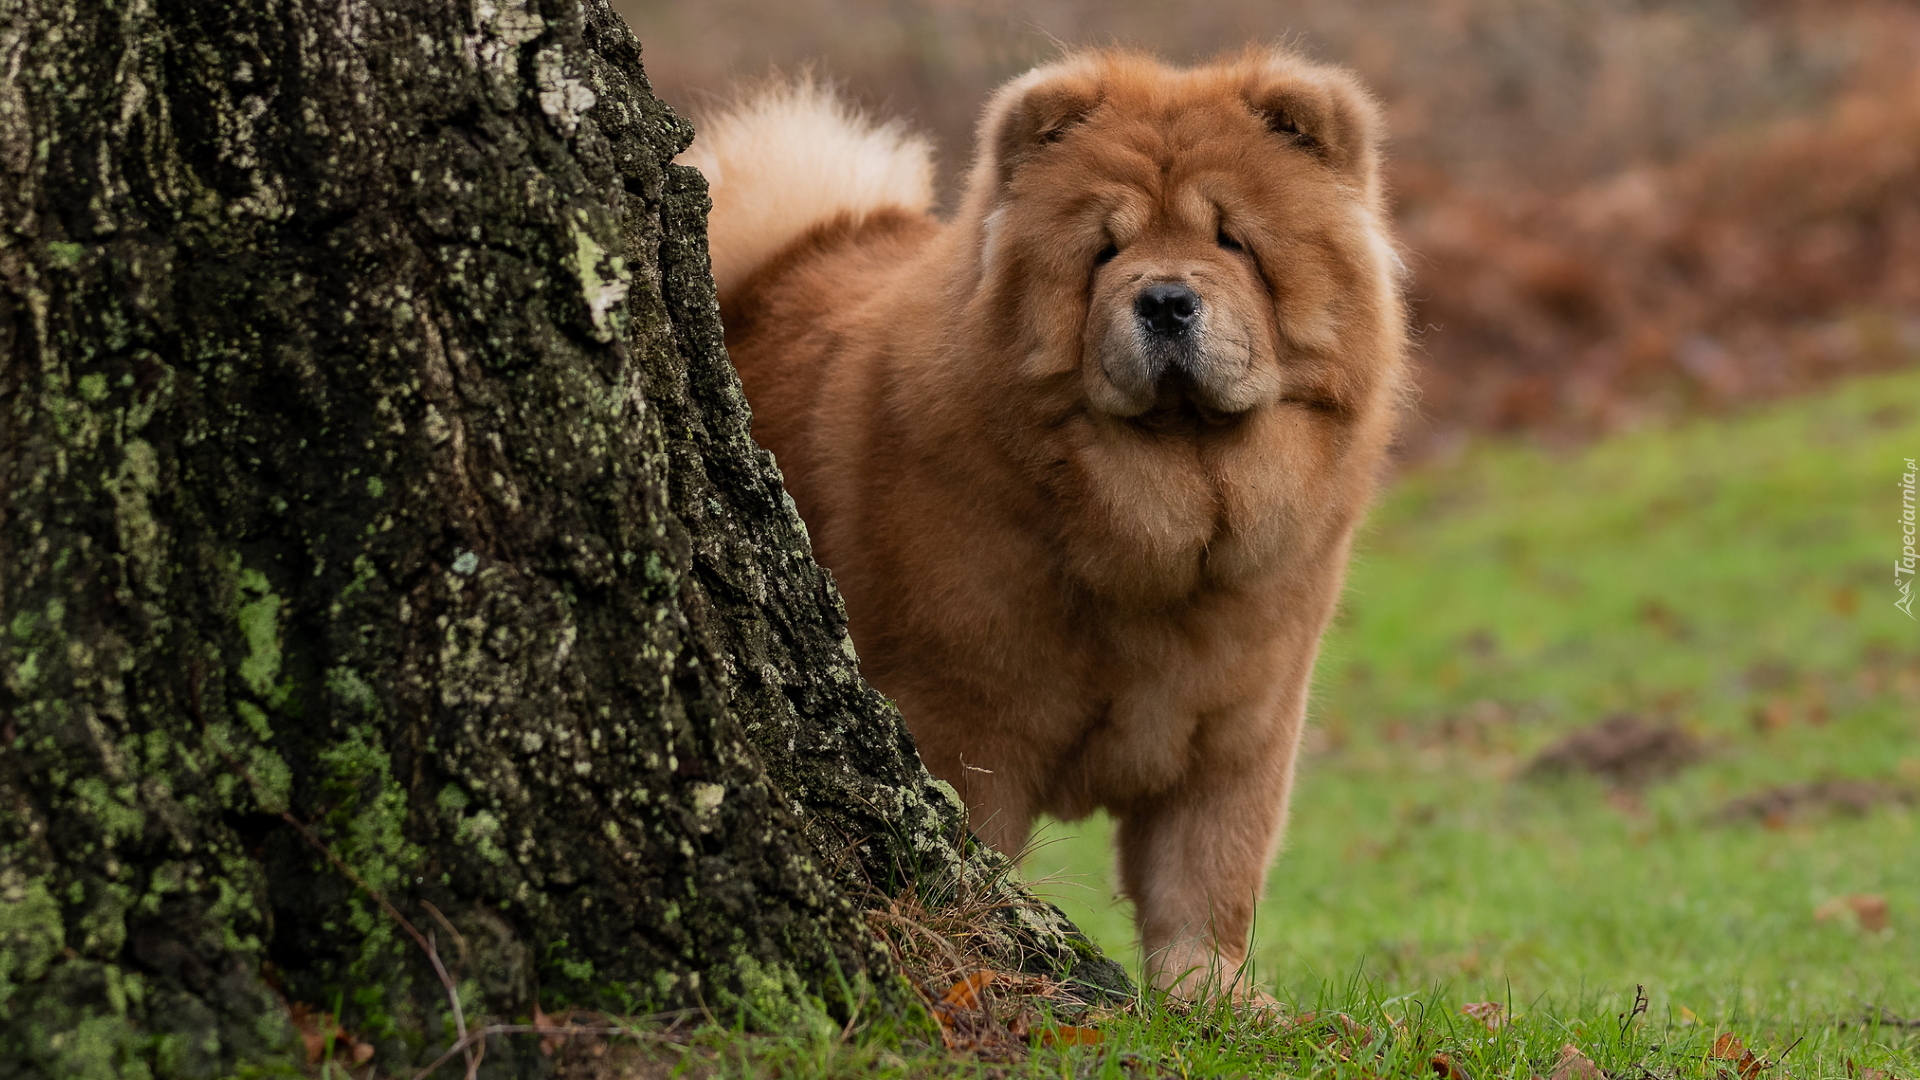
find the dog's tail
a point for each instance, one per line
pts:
(790, 155)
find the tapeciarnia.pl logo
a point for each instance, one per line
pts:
(1904, 566)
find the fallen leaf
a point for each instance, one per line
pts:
(1490, 1013)
(551, 1041)
(1574, 1065)
(965, 994)
(1855, 1072)
(1344, 1030)
(1068, 1035)
(1446, 1068)
(1353, 1029)
(1871, 911)
(967, 1026)
(316, 1027)
(1687, 1016)
(1774, 715)
(1728, 1047)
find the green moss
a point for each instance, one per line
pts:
(366, 831)
(774, 997)
(65, 253)
(255, 719)
(27, 672)
(272, 779)
(363, 574)
(353, 691)
(31, 931)
(140, 534)
(100, 1047)
(93, 387)
(103, 927)
(481, 830)
(367, 823)
(259, 618)
(112, 809)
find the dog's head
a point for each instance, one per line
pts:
(1188, 247)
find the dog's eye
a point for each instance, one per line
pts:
(1106, 255)
(1228, 243)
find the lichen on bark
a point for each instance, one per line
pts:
(368, 454)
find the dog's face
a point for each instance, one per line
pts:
(1216, 231)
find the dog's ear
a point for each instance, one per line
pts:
(1322, 110)
(1034, 111)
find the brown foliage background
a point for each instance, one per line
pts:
(1615, 210)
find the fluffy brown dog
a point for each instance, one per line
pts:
(1086, 459)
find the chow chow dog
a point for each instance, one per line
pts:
(1086, 456)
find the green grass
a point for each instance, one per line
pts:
(1733, 576)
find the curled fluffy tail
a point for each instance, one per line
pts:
(790, 155)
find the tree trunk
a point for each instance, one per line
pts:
(379, 518)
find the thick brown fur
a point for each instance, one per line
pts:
(1089, 579)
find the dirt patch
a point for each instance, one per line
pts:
(1624, 750)
(1777, 806)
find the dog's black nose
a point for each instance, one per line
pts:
(1167, 309)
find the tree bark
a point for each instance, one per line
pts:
(370, 468)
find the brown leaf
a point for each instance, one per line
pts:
(1728, 1047)
(1871, 911)
(1446, 1068)
(1855, 1072)
(551, 1040)
(1774, 715)
(965, 994)
(307, 1023)
(1492, 1014)
(1340, 1029)
(1574, 1065)
(1068, 1035)
(967, 1026)
(316, 1027)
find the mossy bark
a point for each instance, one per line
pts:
(368, 454)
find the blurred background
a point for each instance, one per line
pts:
(1614, 209)
(1618, 693)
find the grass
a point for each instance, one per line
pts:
(1732, 576)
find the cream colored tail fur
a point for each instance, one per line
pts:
(790, 155)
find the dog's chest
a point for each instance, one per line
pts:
(1128, 737)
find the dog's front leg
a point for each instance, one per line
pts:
(1194, 863)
